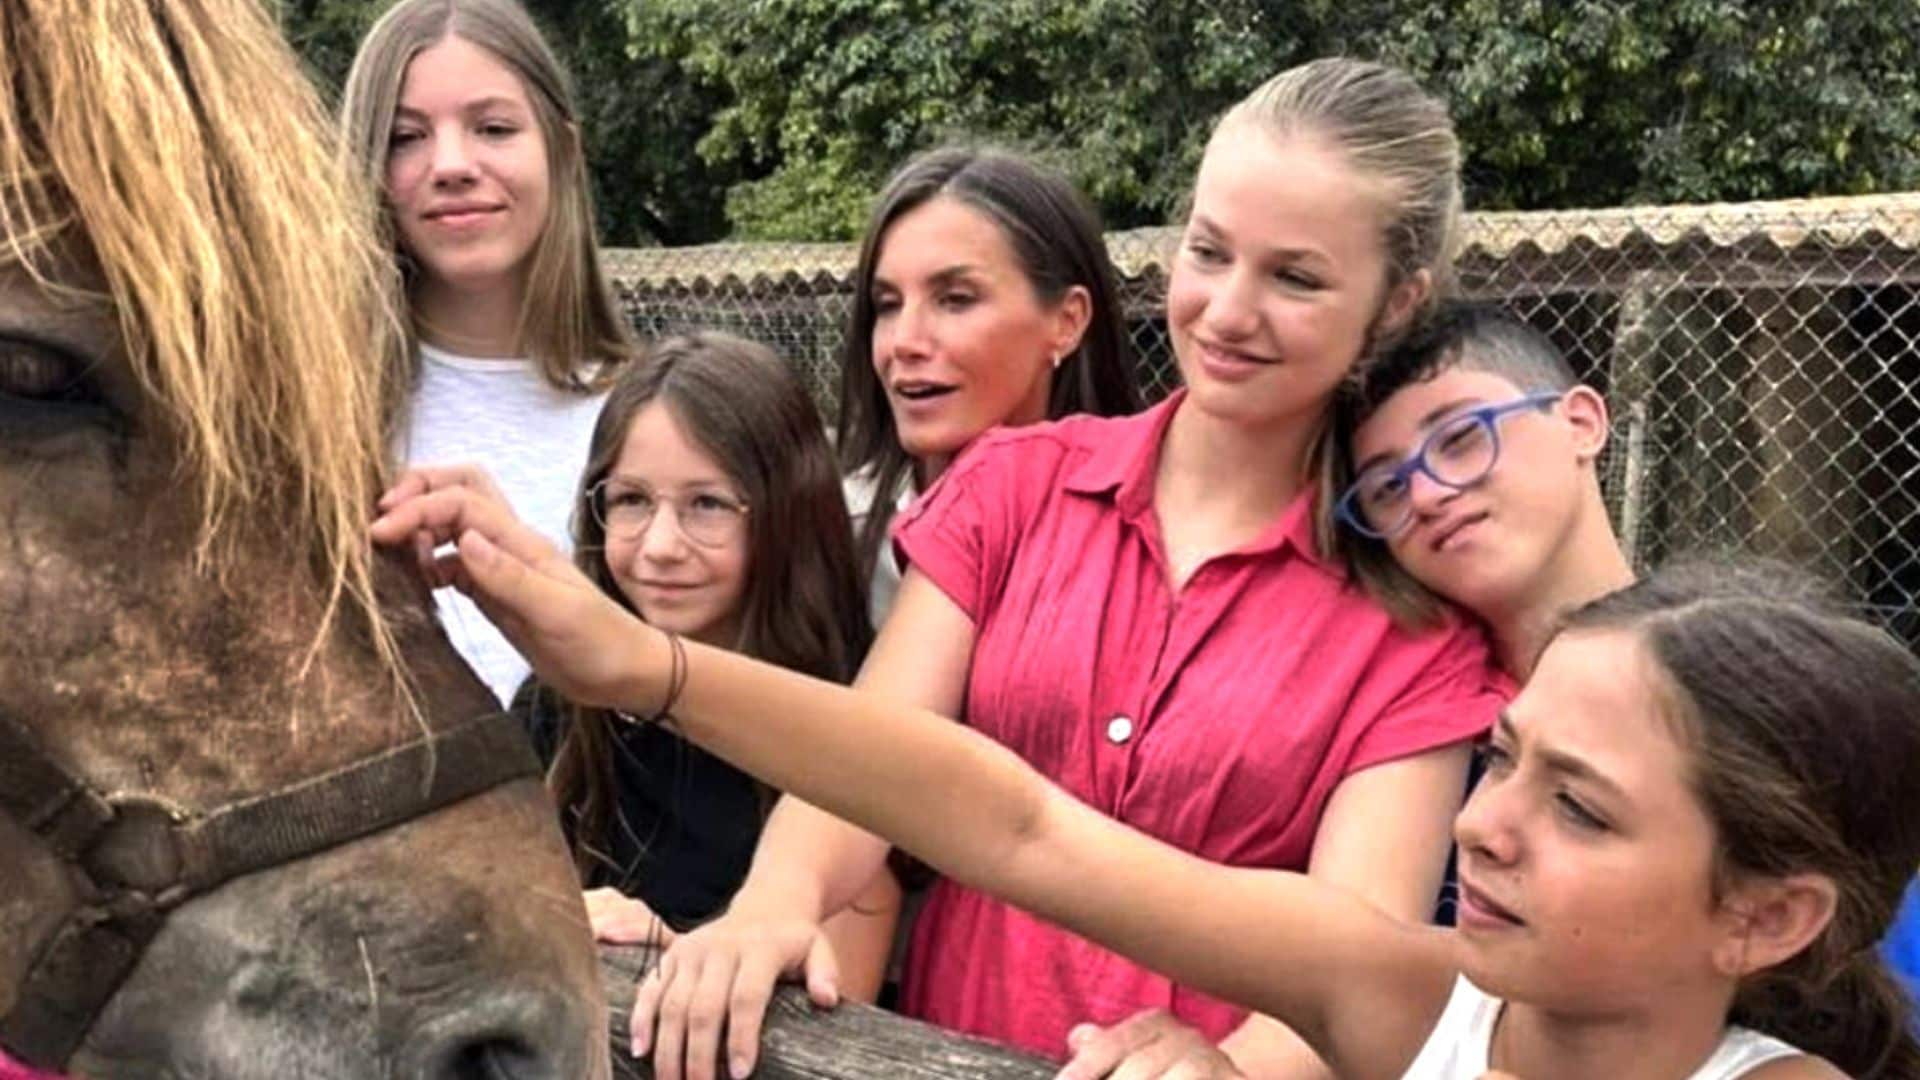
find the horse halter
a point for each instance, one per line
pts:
(131, 859)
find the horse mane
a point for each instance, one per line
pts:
(179, 144)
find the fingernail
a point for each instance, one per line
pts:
(737, 1067)
(478, 547)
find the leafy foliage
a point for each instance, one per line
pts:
(779, 118)
(1116, 93)
(1604, 102)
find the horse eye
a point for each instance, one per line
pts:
(37, 373)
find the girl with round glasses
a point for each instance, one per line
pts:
(711, 507)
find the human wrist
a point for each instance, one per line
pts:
(648, 674)
(785, 893)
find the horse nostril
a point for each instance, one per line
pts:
(497, 1059)
(504, 1035)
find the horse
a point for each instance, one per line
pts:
(256, 817)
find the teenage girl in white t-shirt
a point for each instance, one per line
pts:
(465, 119)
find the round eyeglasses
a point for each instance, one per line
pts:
(1457, 454)
(625, 510)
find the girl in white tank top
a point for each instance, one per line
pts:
(1461, 1043)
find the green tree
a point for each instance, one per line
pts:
(1606, 102)
(1562, 103)
(325, 34)
(768, 119)
(827, 96)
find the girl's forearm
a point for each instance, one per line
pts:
(809, 862)
(978, 813)
(906, 773)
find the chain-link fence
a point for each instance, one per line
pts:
(1762, 361)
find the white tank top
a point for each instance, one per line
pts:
(1459, 1045)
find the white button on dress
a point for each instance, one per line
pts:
(1119, 730)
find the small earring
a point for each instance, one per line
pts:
(1057, 358)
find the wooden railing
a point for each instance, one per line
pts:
(851, 1042)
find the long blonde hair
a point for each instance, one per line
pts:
(178, 143)
(568, 322)
(1400, 141)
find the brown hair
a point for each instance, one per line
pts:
(1055, 236)
(1804, 726)
(803, 607)
(179, 145)
(1399, 140)
(569, 323)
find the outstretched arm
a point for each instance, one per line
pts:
(1362, 988)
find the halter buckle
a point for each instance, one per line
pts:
(138, 850)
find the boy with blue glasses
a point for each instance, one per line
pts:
(1474, 451)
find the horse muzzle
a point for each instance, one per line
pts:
(128, 863)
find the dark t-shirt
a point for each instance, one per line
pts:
(684, 824)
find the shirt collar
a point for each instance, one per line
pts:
(1121, 462)
(1121, 466)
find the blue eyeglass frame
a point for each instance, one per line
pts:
(1487, 416)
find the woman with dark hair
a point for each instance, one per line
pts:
(983, 297)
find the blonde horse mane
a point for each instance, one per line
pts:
(179, 144)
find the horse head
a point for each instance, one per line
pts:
(256, 818)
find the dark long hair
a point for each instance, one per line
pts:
(1055, 236)
(803, 607)
(1804, 725)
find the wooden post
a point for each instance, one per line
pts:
(1633, 373)
(1805, 444)
(1698, 470)
(851, 1042)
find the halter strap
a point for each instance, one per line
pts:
(132, 859)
